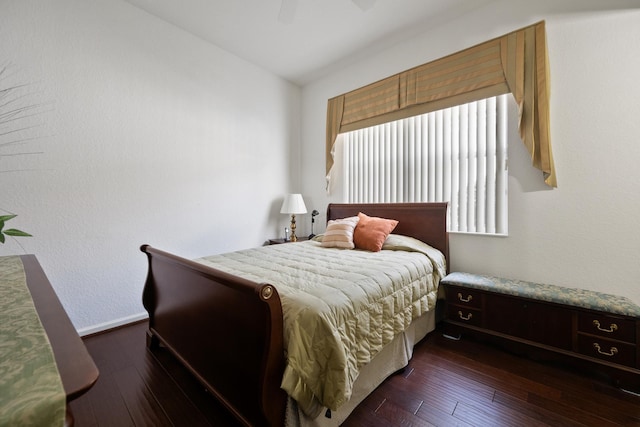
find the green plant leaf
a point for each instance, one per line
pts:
(16, 233)
(10, 231)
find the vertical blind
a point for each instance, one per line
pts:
(456, 155)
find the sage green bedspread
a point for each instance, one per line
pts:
(31, 391)
(341, 307)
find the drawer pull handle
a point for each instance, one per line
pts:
(612, 328)
(612, 352)
(468, 299)
(469, 316)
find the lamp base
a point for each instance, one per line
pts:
(293, 228)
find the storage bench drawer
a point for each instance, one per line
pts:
(463, 296)
(607, 326)
(611, 351)
(466, 315)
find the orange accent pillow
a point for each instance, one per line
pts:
(371, 232)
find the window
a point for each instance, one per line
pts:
(457, 155)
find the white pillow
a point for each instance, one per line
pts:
(339, 233)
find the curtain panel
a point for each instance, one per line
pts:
(515, 63)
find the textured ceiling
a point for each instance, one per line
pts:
(300, 39)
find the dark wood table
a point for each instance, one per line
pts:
(77, 369)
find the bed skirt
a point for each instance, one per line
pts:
(393, 357)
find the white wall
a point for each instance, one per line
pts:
(147, 136)
(583, 234)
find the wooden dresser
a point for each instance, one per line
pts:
(77, 369)
(591, 329)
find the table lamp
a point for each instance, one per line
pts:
(293, 204)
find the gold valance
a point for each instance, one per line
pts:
(515, 63)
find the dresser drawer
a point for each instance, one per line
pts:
(466, 315)
(464, 297)
(613, 327)
(611, 351)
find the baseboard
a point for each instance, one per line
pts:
(112, 324)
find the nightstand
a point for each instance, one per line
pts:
(279, 241)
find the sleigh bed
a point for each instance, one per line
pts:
(228, 327)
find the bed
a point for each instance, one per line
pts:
(230, 330)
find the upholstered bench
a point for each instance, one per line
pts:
(598, 328)
(582, 298)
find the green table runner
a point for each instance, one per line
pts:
(31, 391)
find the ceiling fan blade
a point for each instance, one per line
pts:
(287, 11)
(364, 4)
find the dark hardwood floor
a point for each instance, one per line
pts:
(448, 383)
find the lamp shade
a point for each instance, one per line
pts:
(293, 204)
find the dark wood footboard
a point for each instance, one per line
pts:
(226, 330)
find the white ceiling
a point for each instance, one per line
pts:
(301, 40)
(310, 36)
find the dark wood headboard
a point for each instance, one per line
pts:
(424, 221)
